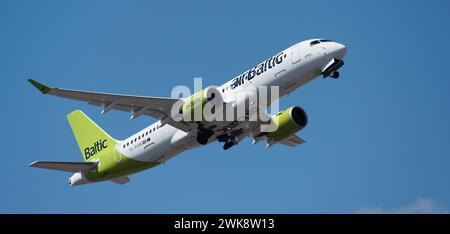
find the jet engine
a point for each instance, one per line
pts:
(287, 122)
(193, 107)
(202, 106)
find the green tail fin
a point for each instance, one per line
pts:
(92, 140)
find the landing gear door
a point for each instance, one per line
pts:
(330, 69)
(327, 66)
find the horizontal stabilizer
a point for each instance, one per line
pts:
(64, 166)
(121, 180)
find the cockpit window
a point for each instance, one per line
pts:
(326, 40)
(314, 42)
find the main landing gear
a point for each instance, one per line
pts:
(203, 135)
(229, 141)
(229, 144)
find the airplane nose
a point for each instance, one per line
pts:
(341, 50)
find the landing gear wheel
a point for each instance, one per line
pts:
(202, 140)
(203, 135)
(228, 145)
(205, 132)
(223, 138)
(334, 75)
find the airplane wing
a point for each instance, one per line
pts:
(121, 180)
(156, 107)
(64, 166)
(292, 141)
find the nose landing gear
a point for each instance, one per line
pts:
(331, 69)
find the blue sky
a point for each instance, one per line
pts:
(378, 138)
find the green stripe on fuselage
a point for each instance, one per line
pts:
(115, 165)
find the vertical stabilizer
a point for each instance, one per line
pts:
(92, 140)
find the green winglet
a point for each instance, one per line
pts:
(44, 89)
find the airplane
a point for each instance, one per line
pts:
(109, 159)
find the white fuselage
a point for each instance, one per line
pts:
(300, 64)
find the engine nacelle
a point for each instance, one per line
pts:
(193, 107)
(288, 122)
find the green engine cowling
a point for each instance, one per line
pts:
(192, 108)
(289, 121)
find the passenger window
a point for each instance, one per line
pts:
(128, 143)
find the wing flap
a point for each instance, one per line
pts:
(292, 140)
(64, 166)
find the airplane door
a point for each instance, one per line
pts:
(295, 55)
